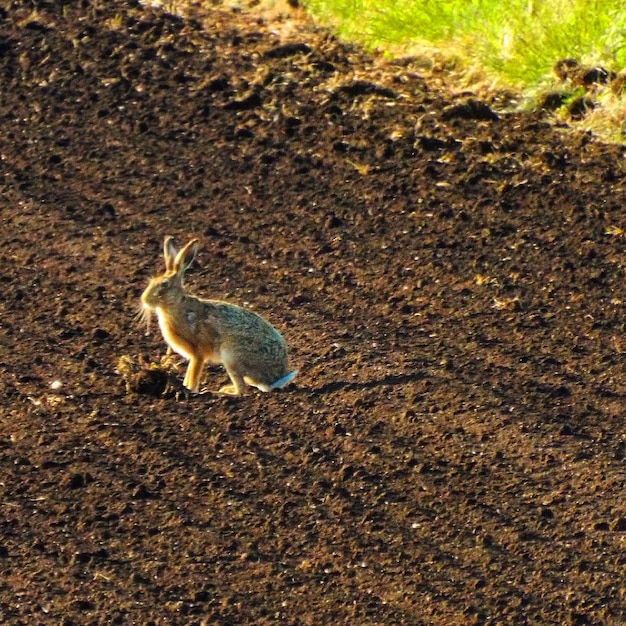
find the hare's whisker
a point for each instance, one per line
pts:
(143, 316)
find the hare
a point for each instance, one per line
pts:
(249, 347)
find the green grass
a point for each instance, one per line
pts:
(517, 40)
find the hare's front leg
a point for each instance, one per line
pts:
(194, 371)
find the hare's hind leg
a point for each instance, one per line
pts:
(236, 389)
(194, 371)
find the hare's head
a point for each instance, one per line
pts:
(166, 290)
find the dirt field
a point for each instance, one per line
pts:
(451, 288)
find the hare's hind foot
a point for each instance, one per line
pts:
(230, 390)
(236, 389)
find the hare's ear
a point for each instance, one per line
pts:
(169, 252)
(186, 256)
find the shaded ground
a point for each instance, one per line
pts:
(453, 451)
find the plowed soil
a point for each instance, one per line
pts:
(450, 283)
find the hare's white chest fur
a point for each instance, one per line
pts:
(172, 339)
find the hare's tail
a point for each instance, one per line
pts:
(285, 380)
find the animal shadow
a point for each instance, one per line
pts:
(391, 381)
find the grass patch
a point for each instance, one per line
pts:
(513, 43)
(519, 40)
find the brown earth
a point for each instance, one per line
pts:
(451, 285)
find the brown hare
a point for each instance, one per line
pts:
(250, 348)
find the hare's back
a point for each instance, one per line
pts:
(237, 321)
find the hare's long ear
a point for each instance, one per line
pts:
(169, 253)
(186, 256)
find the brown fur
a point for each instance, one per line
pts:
(249, 347)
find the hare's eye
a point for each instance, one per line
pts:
(165, 283)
